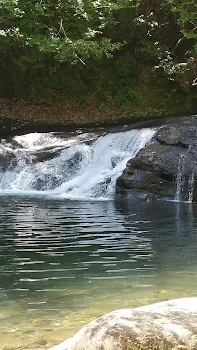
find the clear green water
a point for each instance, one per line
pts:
(64, 263)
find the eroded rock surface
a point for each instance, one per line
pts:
(154, 173)
(162, 326)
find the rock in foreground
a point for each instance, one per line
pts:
(162, 326)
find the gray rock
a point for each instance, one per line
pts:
(162, 326)
(154, 171)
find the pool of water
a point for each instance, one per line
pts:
(64, 263)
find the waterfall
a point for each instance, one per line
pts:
(184, 184)
(191, 183)
(81, 167)
(180, 178)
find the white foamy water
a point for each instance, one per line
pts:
(39, 141)
(83, 167)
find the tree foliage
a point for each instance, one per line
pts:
(66, 44)
(69, 30)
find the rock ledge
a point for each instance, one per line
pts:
(171, 155)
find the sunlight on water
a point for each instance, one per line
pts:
(64, 264)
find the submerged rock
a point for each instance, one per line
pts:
(165, 166)
(162, 326)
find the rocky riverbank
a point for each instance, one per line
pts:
(167, 167)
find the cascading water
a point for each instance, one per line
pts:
(81, 167)
(191, 183)
(180, 178)
(184, 184)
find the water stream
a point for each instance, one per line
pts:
(64, 262)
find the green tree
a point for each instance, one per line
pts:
(169, 35)
(68, 30)
(65, 45)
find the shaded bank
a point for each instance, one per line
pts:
(20, 116)
(27, 116)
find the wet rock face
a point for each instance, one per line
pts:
(170, 157)
(169, 325)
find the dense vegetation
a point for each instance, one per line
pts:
(118, 48)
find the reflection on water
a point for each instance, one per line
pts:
(64, 263)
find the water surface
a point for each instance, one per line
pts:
(63, 263)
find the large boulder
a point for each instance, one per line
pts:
(162, 326)
(166, 168)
